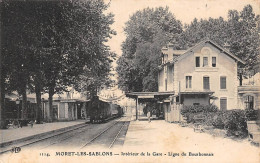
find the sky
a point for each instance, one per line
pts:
(184, 10)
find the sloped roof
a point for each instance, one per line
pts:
(183, 52)
(178, 52)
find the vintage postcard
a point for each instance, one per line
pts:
(130, 81)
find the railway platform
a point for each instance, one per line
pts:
(167, 141)
(11, 135)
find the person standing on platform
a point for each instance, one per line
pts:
(149, 116)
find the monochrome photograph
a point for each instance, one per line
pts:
(130, 81)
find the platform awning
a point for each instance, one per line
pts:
(149, 95)
(248, 89)
(204, 92)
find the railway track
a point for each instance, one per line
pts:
(30, 142)
(63, 136)
(117, 135)
(109, 136)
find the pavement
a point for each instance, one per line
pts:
(11, 135)
(157, 141)
(169, 142)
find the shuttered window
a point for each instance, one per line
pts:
(197, 61)
(188, 81)
(223, 104)
(223, 82)
(206, 83)
(205, 61)
(214, 61)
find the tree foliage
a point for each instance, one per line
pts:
(149, 30)
(49, 45)
(239, 32)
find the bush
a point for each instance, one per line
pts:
(252, 115)
(199, 108)
(218, 120)
(192, 110)
(234, 121)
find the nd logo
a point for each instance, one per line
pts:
(16, 150)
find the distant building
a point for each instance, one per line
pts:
(65, 107)
(249, 91)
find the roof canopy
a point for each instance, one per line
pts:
(208, 92)
(149, 95)
(248, 89)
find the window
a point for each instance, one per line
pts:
(177, 99)
(249, 102)
(223, 103)
(223, 82)
(205, 61)
(188, 81)
(206, 83)
(214, 63)
(197, 61)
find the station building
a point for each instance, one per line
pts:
(205, 74)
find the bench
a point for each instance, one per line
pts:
(198, 123)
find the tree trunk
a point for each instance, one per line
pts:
(38, 101)
(2, 89)
(24, 102)
(51, 93)
(2, 99)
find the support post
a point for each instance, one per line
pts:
(136, 108)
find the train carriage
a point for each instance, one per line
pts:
(101, 111)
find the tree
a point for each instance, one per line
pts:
(16, 60)
(49, 45)
(243, 36)
(239, 32)
(2, 92)
(199, 30)
(80, 49)
(147, 31)
(29, 44)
